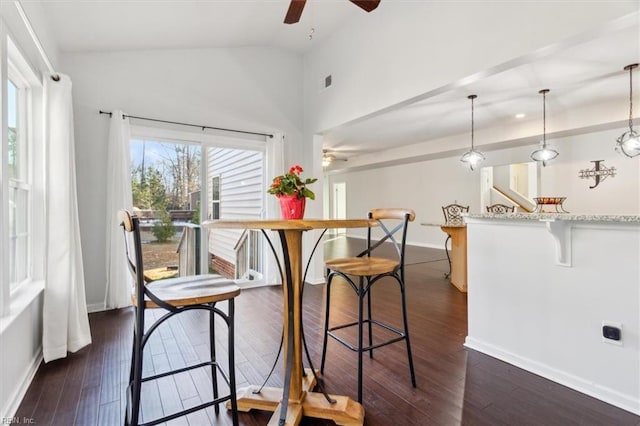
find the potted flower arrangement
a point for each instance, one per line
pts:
(292, 192)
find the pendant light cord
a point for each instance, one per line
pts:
(472, 97)
(631, 98)
(544, 119)
(472, 123)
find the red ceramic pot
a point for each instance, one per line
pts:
(291, 206)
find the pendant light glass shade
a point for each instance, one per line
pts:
(472, 157)
(629, 142)
(545, 153)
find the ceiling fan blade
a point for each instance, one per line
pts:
(294, 12)
(367, 5)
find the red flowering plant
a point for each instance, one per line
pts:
(291, 183)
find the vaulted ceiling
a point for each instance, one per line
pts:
(580, 72)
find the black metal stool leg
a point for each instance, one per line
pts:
(136, 385)
(326, 325)
(129, 395)
(212, 348)
(232, 363)
(406, 335)
(370, 320)
(360, 309)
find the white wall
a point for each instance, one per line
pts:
(256, 89)
(427, 185)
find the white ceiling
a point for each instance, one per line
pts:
(581, 72)
(108, 25)
(585, 73)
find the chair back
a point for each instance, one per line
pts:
(500, 209)
(453, 214)
(393, 223)
(131, 226)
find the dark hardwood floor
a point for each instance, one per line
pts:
(455, 385)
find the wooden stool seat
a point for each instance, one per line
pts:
(363, 266)
(191, 290)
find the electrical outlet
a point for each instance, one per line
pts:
(612, 332)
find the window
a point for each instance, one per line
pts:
(165, 185)
(215, 197)
(19, 185)
(240, 162)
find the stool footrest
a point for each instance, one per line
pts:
(400, 333)
(188, 368)
(186, 411)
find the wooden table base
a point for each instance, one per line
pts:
(344, 411)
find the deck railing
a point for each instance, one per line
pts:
(189, 250)
(248, 258)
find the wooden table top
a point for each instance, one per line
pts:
(290, 224)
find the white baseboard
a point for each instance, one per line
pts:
(409, 243)
(316, 281)
(603, 393)
(427, 245)
(14, 402)
(96, 307)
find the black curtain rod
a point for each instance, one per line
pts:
(190, 125)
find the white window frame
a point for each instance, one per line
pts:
(22, 182)
(214, 200)
(14, 67)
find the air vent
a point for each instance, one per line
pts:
(324, 83)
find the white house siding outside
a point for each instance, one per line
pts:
(242, 193)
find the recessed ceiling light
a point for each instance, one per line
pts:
(521, 115)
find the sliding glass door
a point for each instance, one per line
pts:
(177, 182)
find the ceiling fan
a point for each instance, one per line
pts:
(328, 158)
(296, 6)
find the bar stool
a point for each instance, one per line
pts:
(452, 216)
(176, 295)
(370, 270)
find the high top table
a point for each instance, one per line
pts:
(296, 399)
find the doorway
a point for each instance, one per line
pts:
(339, 192)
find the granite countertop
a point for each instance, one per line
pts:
(557, 216)
(448, 225)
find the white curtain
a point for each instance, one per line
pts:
(274, 167)
(65, 319)
(119, 280)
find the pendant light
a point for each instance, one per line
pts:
(629, 142)
(545, 153)
(472, 157)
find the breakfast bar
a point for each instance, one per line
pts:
(558, 294)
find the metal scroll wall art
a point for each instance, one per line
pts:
(599, 173)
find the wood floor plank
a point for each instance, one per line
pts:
(88, 406)
(71, 391)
